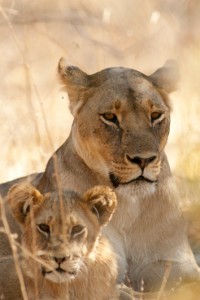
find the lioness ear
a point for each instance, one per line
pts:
(166, 77)
(102, 202)
(21, 197)
(75, 81)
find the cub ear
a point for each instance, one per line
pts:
(75, 81)
(102, 202)
(21, 198)
(166, 77)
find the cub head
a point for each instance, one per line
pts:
(60, 229)
(122, 120)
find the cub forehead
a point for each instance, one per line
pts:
(57, 206)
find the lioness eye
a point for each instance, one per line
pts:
(110, 118)
(77, 230)
(44, 228)
(155, 116)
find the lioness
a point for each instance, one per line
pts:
(121, 125)
(69, 258)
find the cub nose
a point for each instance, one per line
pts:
(141, 161)
(59, 260)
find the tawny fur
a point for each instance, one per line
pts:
(192, 217)
(120, 129)
(74, 234)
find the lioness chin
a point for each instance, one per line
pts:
(64, 254)
(120, 129)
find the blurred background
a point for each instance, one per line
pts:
(34, 115)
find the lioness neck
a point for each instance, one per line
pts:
(66, 169)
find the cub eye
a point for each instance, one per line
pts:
(44, 228)
(110, 117)
(77, 230)
(156, 115)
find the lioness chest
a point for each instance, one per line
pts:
(139, 229)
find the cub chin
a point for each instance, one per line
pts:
(64, 254)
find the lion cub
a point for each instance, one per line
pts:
(65, 256)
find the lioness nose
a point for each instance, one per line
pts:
(141, 161)
(59, 260)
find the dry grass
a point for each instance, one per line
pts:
(34, 115)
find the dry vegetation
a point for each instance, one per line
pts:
(34, 116)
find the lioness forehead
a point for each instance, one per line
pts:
(119, 75)
(115, 72)
(116, 94)
(122, 83)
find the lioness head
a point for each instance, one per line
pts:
(122, 120)
(60, 230)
